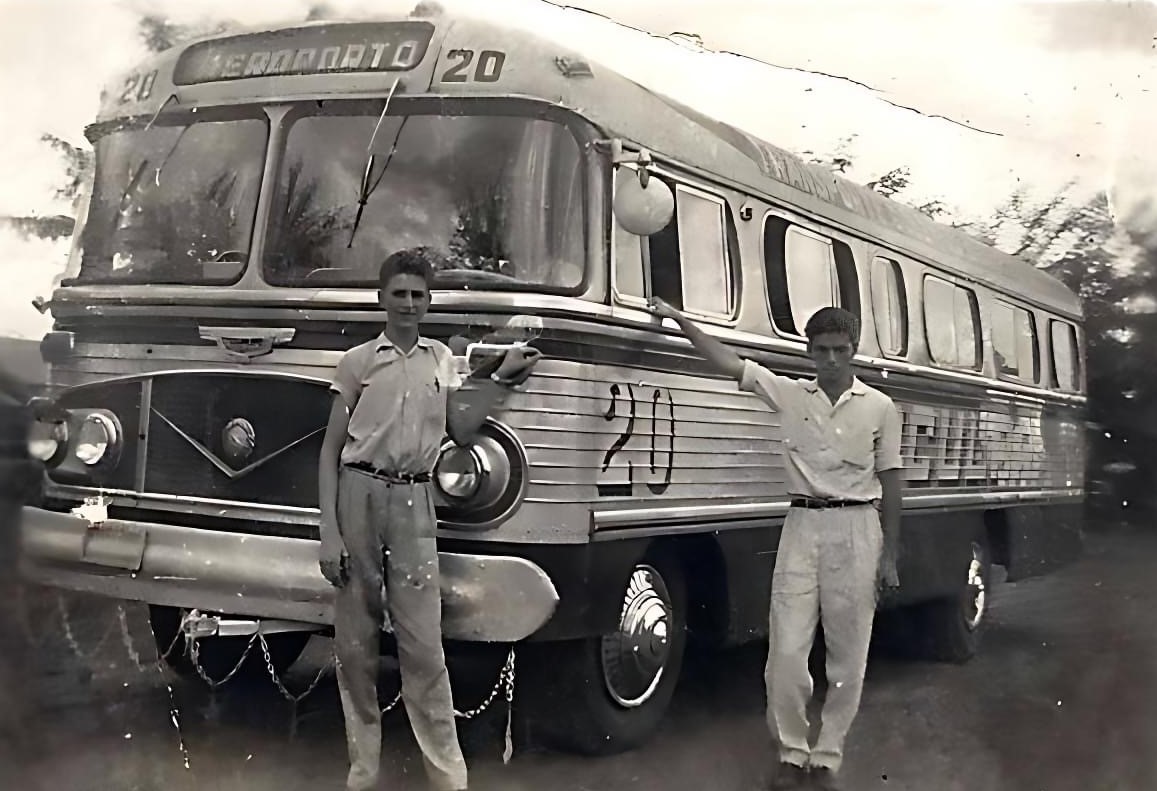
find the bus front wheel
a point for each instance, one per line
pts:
(607, 694)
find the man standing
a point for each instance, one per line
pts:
(396, 397)
(839, 543)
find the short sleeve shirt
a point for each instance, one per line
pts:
(397, 403)
(831, 450)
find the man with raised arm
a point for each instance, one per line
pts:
(838, 548)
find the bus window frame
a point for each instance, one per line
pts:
(892, 263)
(1002, 300)
(1054, 382)
(799, 223)
(977, 323)
(186, 116)
(581, 129)
(730, 237)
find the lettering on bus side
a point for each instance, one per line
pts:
(953, 446)
(657, 430)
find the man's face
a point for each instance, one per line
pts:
(405, 298)
(832, 353)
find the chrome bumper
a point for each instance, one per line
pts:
(485, 598)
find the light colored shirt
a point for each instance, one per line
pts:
(830, 450)
(397, 402)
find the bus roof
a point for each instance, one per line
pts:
(429, 57)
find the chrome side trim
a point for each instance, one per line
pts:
(237, 508)
(693, 517)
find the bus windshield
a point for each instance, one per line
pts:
(498, 198)
(173, 204)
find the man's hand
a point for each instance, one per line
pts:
(657, 306)
(333, 557)
(888, 577)
(517, 365)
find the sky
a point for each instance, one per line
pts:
(1031, 94)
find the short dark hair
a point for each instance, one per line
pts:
(418, 261)
(836, 321)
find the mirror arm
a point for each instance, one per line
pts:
(642, 159)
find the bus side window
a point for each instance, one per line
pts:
(630, 281)
(890, 306)
(1066, 363)
(951, 321)
(1014, 342)
(689, 260)
(663, 260)
(705, 264)
(805, 272)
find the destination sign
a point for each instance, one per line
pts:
(325, 49)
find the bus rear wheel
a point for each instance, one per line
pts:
(951, 627)
(218, 656)
(607, 694)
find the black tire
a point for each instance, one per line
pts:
(576, 698)
(219, 655)
(950, 628)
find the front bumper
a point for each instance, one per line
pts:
(485, 598)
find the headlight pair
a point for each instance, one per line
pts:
(76, 442)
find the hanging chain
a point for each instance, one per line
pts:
(70, 638)
(285, 693)
(503, 684)
(393, 704)
(505, 680)
(194, 654)
(127, 638)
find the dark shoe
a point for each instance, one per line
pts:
(789, 777)
(824, 779)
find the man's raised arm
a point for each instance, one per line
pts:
(719, 356)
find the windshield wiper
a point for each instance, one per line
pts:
(481, 275)
(368, 187)
(135, 177)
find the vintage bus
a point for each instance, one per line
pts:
(621, 502)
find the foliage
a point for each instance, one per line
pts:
(301, 235)
(159, 34)
(78, 166)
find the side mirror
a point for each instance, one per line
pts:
(643, 205)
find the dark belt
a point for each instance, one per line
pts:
(388, 476)
(818, 502)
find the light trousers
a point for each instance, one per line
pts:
(825, 571)
(374, 515)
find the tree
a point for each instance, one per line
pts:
(159, 34)
(891, 183)
(839, 162)
(78, 164)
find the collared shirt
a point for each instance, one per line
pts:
(831, 450)
(397, 403)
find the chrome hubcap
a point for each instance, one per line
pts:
(635, 657)
(976, 605)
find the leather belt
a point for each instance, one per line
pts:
(388, 476)
(819, 502)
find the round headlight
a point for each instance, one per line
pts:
(96, 435)
(45, 440)
(460, 472)
(479, 486)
